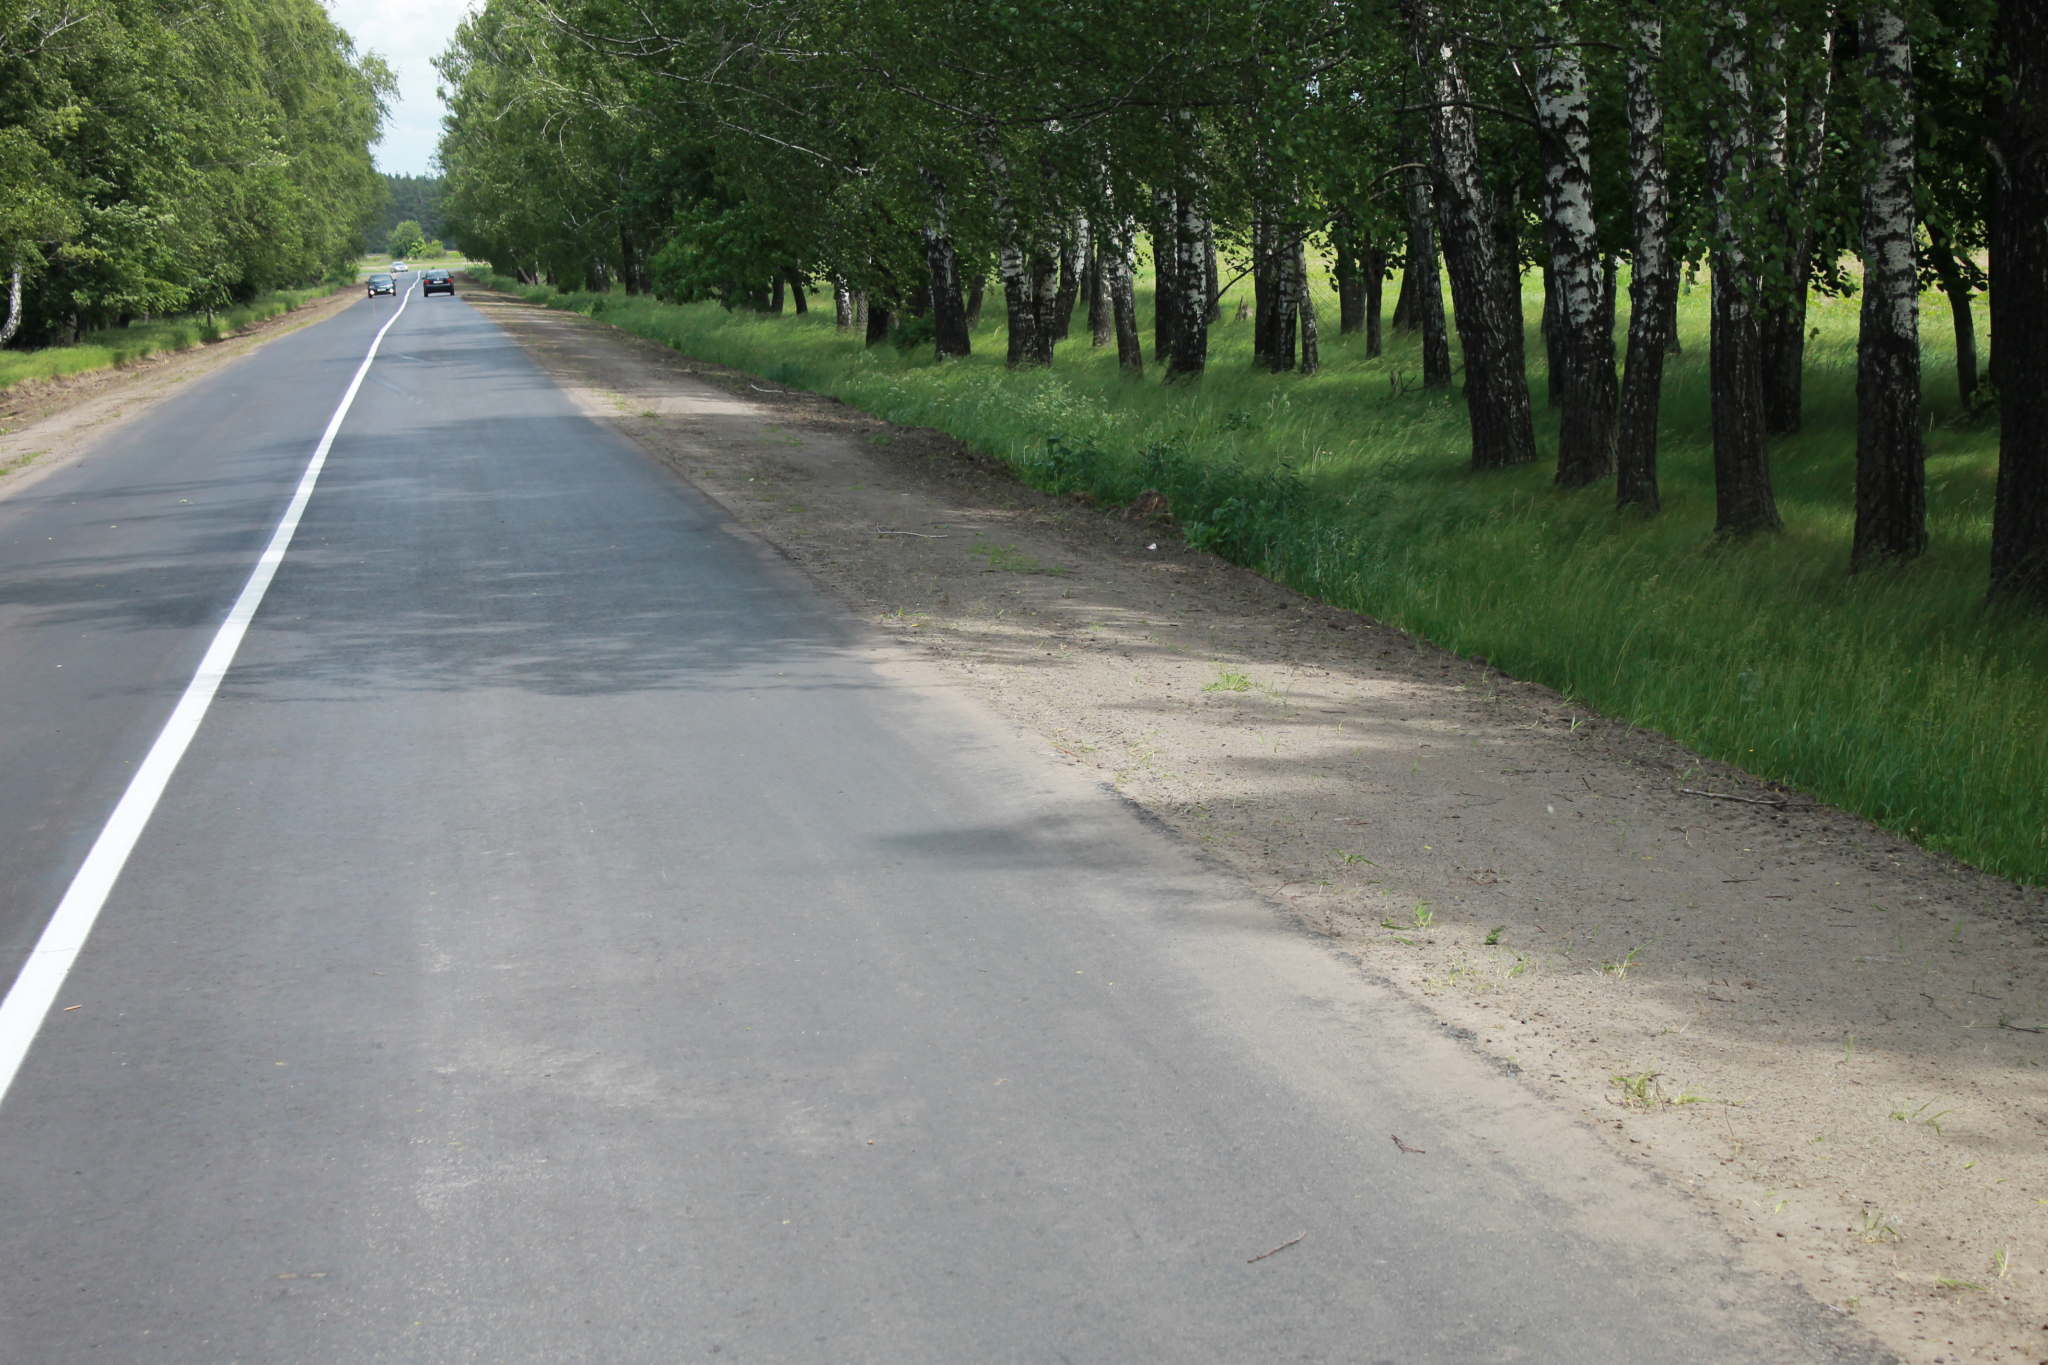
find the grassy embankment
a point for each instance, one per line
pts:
(1895, 693)
(119, 345)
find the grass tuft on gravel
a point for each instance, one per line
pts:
(1898, 694)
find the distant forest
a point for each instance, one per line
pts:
(417, 197)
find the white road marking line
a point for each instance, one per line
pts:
(42, 976)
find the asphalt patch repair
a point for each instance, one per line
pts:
(1827, 1037)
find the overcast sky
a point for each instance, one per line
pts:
(408, 34)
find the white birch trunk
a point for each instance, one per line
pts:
(1743, 497)
(1564, 117)
(1649, 323)
(1891, 480)
(1496, 387)
(13, 323)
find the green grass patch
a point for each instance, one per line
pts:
(1898, 694)
(114, 346)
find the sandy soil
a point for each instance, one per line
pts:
(45, 423)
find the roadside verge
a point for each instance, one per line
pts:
(1830, 1038)
(46, 422)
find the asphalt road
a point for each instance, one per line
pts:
(567, 938)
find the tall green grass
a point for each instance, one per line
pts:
(1898, 694)
(114, 346)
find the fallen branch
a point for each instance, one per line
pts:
(1723, 796)
(1282, 1247)
(758, 389)
(921, 535)
(2016, 1028)
(1417, 1151)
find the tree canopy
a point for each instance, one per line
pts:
(162, 155)
(715, 148)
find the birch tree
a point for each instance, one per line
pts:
(1799, 156)
(1586, 433)
(1650, 295)
(1891, 481)
(1744, 501)
(1496, 386)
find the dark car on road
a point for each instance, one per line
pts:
(381, 284)
(438, 282)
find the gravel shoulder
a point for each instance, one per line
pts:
(1828, 1038)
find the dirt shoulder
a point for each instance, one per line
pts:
(44, 423)
(1830, 1038)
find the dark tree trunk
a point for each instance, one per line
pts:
(629, 263)
(1650, 288)
(1283, 249)
(879, 319)
(775, 293)
(1121, 275)
(1021, 272)
(1044, 282)
(1422, 286)
(2019, 310)
(1784, 321)
(977, 291)
(1610, 291)
(1305, 305)
(1404, 297)
(1496, 388)
(942, 279)
(1994, 195)
(1101, 317)
(1507, 234)
(1350, 292)
(1743, 498)
(1674, 344)
(1585, 438)
(1165, 272)
(1553, 342)
(1018, 304)
(1265, 283)
(1374, 274)
(1891, 473)
(796, 290)
(1953, 284)
(1073, 273)
(949, 310)
(1190, 354)
(1212, 311)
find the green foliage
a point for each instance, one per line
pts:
(170, 157)
(1898, 693)
(120, 345)
(406, 240)
(417, 197)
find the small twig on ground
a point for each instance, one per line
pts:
(921, 535)
(2016, 1028)
(1417, 1151)
(1723, 796)
(1282, 1247)
(758, 389)
(1937, 1008)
